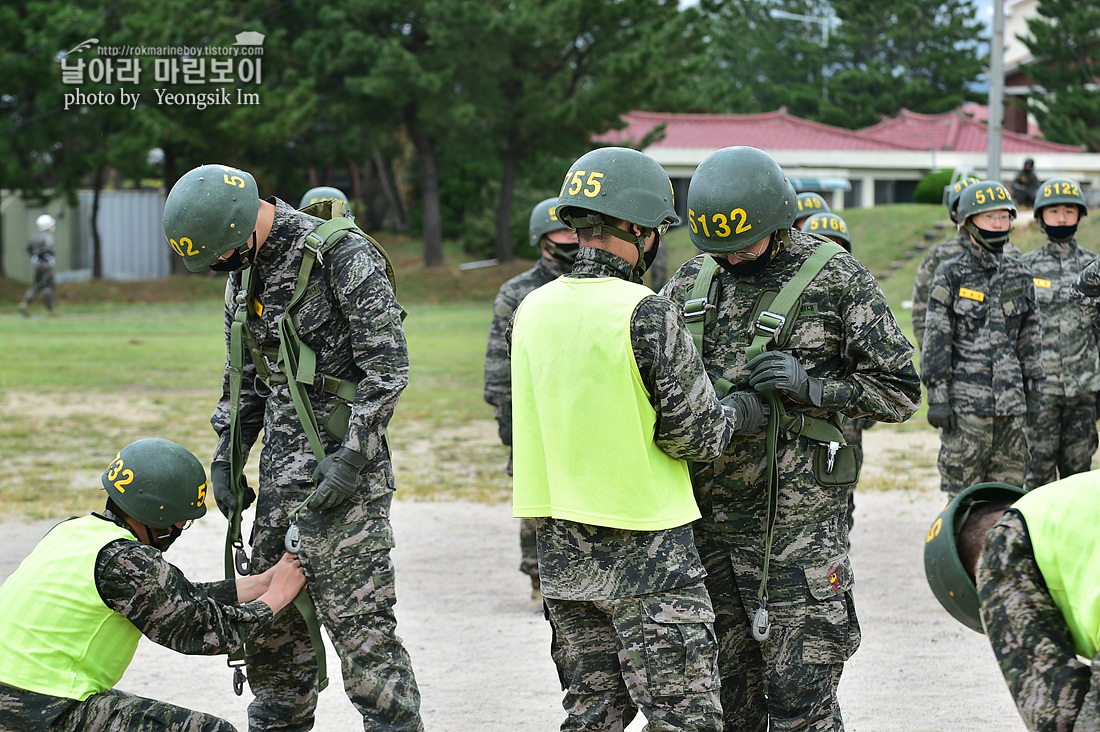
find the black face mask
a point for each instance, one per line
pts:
(164, 538)
(564, 253)
(234, 261)
(993, 241)
(1060, 233)
(649, 256)
(747, 268)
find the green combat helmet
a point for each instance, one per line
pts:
(157, 482)
(1054, 192)
(324, 193)
(830, 225)
(737, 197)
(954, 191)
(809, 203)
(544, 220)
(618, 183)
(211, 210)
(985, 195)
(949, 580)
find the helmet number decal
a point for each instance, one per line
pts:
(1065, 188)
(118, 476)
(577, 182)
(830, 222)
(190, 251)
(934, 530)
(236, 180)
(202, 494)
(721, 223)
(980, 194)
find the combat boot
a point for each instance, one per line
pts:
(23, 309)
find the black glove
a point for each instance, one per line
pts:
(775, 370)
(504, 423)
(219, 484)
(1097, 415)
(1034, 404)
(337, 477)
(942, 416)
(751, 412)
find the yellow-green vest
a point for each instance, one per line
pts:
(57, 636)
(582, 423)
(1062, 522)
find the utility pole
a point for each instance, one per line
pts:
(825, 24)
(996, 90)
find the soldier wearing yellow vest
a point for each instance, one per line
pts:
(73, 611)
(609, 400)
(1026, 571)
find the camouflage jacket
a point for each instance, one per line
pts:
(1071, 361)
(40, 247)
(350, 317)
(845, 334)
(582, 562)
(983, 335)
(932, 259)
(498, 366)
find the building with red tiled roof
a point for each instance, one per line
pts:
(876, 165)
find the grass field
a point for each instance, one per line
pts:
(126, 360)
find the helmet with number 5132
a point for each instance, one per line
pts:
(211, 210)
(157, 482)
(738, 196)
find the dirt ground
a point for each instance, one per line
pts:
(481, 657)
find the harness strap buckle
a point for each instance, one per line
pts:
(695, 309)
(317, 242)
(770, 324)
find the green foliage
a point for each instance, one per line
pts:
(1065, 43)
(930, 188)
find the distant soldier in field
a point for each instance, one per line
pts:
(1026, 184)
(794, 318)
(72, 613)
(609, 401)
(1063, 437)
(557, 247)
(317, 361)
(983, 340)
(809, 203)
(40, 247)
(937, 254)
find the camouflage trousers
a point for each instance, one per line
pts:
(789, 681)
(983, 449)
(1030, 638)
(655, 653)
(44, 284)
(346, 556)
(528, 548)
(1062, 440)
(26, 711)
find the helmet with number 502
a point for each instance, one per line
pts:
(211, 210)
(737, 197)
(830, 225)
(1059, 190)
(157, 482)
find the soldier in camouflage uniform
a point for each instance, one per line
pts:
(557, 246)
(1063, 437)
(40, 249)
(349, 317)
(777, 546)
(809, 203)
(94, 585)
(983, 340)
(939, 253)
(1033, 596)
(609, 400)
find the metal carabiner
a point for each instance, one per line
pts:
(240, 559)
(761, 625)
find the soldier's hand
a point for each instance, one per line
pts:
(775, 370)
(751, 412)
(942, 416)
(219, 485)
(337, 478)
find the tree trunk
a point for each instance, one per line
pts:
(389, 189)
(505, 251)
(431, 217)
(97, 246)
(353, 168)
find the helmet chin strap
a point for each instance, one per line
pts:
(600, 227)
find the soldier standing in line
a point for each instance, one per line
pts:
(73, 611)
(40, 247)
(1063, 438)
(557, 246)
(983, 339)
(939, 253)
(609, 400)
(809, 203)
(312, 304)
(773, 534)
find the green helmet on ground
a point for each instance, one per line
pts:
(211, 210)
(323, 193)
(737, 197)
(830, 225)
(1059, 190)
(157, 482)
(544, 219)
(985, 195)
(948, 578)
(810, 203)
(954, 192)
